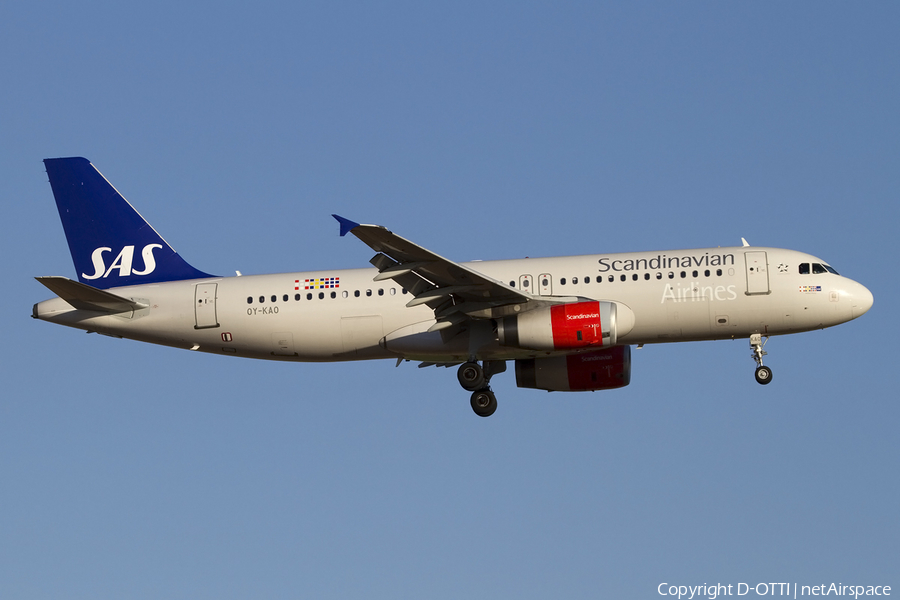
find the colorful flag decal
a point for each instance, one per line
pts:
(810, 288)
(319, 283)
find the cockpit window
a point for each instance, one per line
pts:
(817, 269)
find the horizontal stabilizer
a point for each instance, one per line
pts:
(84, 297)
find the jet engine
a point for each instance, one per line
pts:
(572, 326)
(600, 370)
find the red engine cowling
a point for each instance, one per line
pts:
(601, 370)
(561, 327)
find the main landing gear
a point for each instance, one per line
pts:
(763, 373)
(475, 378)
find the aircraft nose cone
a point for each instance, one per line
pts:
(862, 300)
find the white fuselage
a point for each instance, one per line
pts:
(683, 295)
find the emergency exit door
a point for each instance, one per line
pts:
(526, 283)
(545, 284)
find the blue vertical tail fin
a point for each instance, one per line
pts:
(111, 244)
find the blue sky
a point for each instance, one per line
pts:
(480, 131)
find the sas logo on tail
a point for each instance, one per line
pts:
(123, 262)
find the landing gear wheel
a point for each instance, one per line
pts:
(763, 375)
(471, 376)
(484, 403)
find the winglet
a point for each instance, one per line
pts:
(346, 225)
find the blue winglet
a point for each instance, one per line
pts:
(346, 224)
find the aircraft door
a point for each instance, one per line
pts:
(757, 273)
(545, 284)
(526, 284)
(205, 305)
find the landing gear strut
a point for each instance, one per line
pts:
(763, 373)
(475, 378)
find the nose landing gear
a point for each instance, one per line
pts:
(475, 378)
(763, 373)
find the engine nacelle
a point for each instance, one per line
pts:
(571, 326)
(601, 370)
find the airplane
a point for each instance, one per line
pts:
(567, 323)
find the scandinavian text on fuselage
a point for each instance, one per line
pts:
(663, 261)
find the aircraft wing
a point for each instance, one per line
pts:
(454, 291)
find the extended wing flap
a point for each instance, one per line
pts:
(84, 297)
